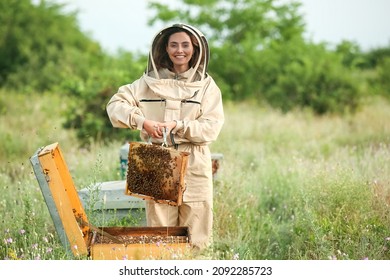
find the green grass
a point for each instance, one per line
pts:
(304, 187)
(291, 186)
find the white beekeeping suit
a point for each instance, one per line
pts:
(193, 101)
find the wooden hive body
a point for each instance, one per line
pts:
(83, 239)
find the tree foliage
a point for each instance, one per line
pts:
(87, 114)
(41, 46)
(381, 82)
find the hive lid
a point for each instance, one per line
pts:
(61, 197)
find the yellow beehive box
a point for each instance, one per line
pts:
(83, 239)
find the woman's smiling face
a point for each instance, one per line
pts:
(180, 50)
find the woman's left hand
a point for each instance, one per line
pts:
(168, 125)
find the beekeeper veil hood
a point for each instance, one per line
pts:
(158, 56)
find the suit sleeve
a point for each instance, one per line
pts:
(123, 111)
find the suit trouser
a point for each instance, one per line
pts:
(197, 216)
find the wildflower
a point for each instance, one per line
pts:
(12, 255)
(75, 247)
(387, 238)
(34, 246)
(236, 256)
(8, 240)
(37, 257)
(124, 258)
(49, 250)
(45, 239)
(22, 231)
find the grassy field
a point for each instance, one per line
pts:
(291, 186)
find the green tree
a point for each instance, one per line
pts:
(382, 81)
(40, 45)
(87, 113)
(376, 66)
(351, 53)
(314, 78)
(375, 57)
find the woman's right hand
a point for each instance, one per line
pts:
(153, 129)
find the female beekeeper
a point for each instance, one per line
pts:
(178, 94)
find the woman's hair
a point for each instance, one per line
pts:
(161, 57)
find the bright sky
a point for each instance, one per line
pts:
(123, 23)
